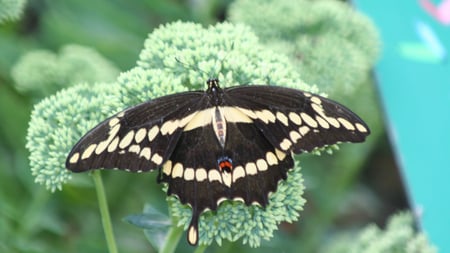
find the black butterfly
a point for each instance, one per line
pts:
(209, 146)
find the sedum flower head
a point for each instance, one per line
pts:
(42, 72)
(11, 9)
(399, 236)
(332, 45)
(176, 57)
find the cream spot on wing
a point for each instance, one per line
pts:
(304, 130)
(184, 121)
(307, 94)
(126, 140)
(361, 128)
(316, 100)
(310, 121)
(189, 174)
(113, 145)
(226, 177)
(192, 235)
(282, 118)
(346, 124)
(295, 136)
(322, 122)
(114, 121)
(200, 119)
(177, 170)
(88, 152)
(318, 109)
(250, 169)
(280, 154)
(201, 174)
(285, 144)
(113, 131)
(146, 153)
(140, 135)
(239, 199)
(74, 158)
(167, 168)
(152, 133)
(332, 121)
(222, 199)
(248, 112)
(262, 165)
(235, 115)
(214, 175)
(102, 146)
(266, 116)
(169, 127)
(271, 158)
(134, 149)
(294, 117)
(157, 159)
(238, 172)
(120, 115)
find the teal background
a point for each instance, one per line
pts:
(414, 84)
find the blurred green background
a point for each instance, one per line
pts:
(357, 185)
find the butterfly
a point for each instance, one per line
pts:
(220, 144)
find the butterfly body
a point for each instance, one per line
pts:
(209, 146)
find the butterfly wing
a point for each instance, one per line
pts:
(293, 120)
(140, 138)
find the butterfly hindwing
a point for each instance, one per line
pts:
(296, 120)
(137, 139)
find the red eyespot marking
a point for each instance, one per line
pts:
(225, 165)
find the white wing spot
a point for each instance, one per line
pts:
(167, 168)
(333, 121)
(189, 174)
(310, 121)
(88, 152)
(280, 154)
(316, 100)
(250, 169)
(266, 116)
(152, 133)
(285, 144)
(74, 158)
(262, 165)
(157, 159)
(233, 114)
(126, 140)
(192, 235)
(294, 117)
(271, 158)
(169, 127)
(140, 135)
(248, 112)
(322, 122)
(238, 172)
(177, 170)
(226, 177)
(113, 145)
(102, 146)
(201, 174)
(361, 128)
(146, 153)
(134, 149)
(304, 130)
(214, 175)
(282, 118)
(295, 136)
(346, 124)
(114, 121)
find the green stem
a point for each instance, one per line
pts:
(173, 237)
(104, 212)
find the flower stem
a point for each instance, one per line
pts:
(104, 212)
(200, 249)
(173, 237)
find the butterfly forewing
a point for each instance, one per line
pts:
(137, 139)
(295, 120)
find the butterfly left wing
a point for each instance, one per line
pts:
(293, 120)
(140, 138)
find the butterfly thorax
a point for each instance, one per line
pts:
(214, 92)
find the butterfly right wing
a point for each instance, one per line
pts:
(140, 138)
